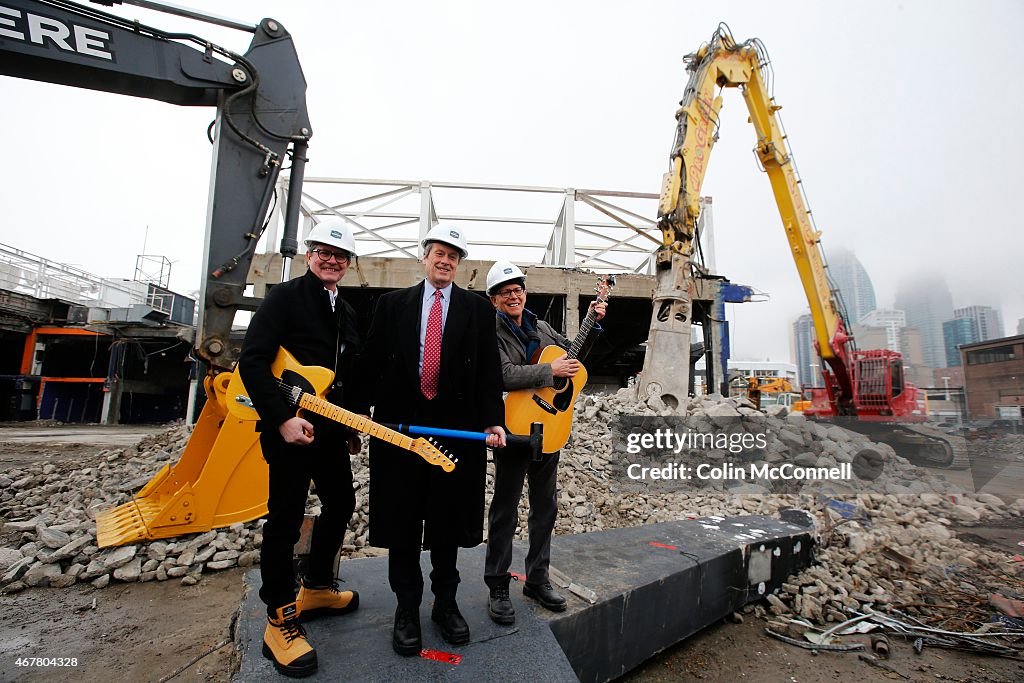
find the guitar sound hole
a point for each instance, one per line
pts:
(563, 400)
(560, 382)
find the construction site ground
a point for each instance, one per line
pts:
(156, 630)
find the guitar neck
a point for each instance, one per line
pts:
(585, 328)
(317, 405)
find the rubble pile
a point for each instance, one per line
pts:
(890, 552)
(48, 536)
(594, 493)
(886, 540)
(998, 446)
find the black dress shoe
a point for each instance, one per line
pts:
(499, 605)
(545, 595)
(454, 628)
(406, 639)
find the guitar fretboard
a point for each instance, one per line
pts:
(358, 422)
(585, 327)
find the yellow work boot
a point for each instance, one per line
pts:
(319, 601)
(285, 644)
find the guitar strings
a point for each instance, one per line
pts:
(375, 429)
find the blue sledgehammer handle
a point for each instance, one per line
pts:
(438, 431)
(534, 441)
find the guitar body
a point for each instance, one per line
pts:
(305, 386)
(551, 406)
(312, 379)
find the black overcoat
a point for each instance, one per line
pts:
(403, 487)
(297, 315)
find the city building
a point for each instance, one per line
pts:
(956, 333)
(927, 302)
(803, 354)
(952, 377)
(849, 276)
(994, 377)
(988, 321)
(890, 320)
(80, 348)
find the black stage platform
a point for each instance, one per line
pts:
(633, 592)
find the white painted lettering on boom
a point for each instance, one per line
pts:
(48, 32)
(4, 21)
(89, 40)
(40, 28)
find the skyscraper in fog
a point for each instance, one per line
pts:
(988, 321)
(957, 332)
(891, 321)
(805, 358)
(853, 282)
(926, 300)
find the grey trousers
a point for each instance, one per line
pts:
(512, 466)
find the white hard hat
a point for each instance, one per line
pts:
(334, 232)
(502, 272)
(449, 234)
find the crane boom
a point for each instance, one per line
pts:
(723, 63)
(868, 387)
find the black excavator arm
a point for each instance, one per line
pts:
(261, 118)
(260, 99)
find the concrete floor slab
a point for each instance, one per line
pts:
(634, 592)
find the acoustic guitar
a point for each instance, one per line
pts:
(552, 406)
(304, 387)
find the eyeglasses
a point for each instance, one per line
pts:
(326, 255)
(511, 292)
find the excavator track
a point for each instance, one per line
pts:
(926, 446)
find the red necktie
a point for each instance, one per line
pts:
(432, 349)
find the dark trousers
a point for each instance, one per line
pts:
(404, 574)
(326, 463)
(406, 579)
(511, 467)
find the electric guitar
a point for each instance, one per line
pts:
(552, 406)
(304, 386)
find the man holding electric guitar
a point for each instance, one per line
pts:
(307, 317)
(539, 377)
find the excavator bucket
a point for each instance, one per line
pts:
(220, 479)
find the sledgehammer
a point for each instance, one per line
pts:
(535, 440)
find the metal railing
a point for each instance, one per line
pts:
(27, 273)
(605, 231)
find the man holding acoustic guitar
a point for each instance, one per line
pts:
(308, 318)
(522, 338)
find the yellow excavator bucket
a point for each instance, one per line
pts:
(220, 479)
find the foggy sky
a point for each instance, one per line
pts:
(903, 117)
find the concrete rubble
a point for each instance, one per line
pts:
(887, 542)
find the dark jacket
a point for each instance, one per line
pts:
(403, 486)
(297, 315)
(517, 372)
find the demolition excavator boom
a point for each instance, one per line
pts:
(868, 387)
(261, 118)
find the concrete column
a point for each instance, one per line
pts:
(111, 413)
(666, 372)
(572, 308)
